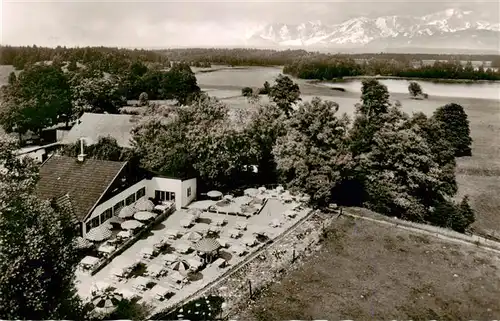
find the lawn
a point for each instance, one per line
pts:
(367, 271)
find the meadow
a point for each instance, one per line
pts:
(477, 176)
(367, 271)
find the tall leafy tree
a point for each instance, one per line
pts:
(285, 93)
(455, 123)
(37, 255)
(267, 124)
(414, 89)
(97, 93)
(180, 83)
(40, 97)
(313, 155)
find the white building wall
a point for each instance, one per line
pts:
(117, 198)
(166, 185)
(190, 183)
(180, 188)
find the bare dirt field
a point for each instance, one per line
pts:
(367, 271)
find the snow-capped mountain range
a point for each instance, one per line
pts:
(452, 28)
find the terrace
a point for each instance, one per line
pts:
(168, 264)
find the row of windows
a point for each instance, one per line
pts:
(107, 214)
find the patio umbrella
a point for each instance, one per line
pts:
(143, 216)
(107, 301)
(195, 212)
(229, 197)
(192, 236)
(115, 220)
(81, 243)
(131, 225)
(98, 234)
(251, 192)
(280, 189)
(214, 194)
(180, 265)
(262, 189)
(126, 212)
(207, 245)
(143, 204)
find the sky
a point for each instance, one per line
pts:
(187, 23)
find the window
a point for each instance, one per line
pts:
(189, 192)
(88, 226)
(117, 207)
(94, 222)
(160, 195)
(129, 200)
(165, 196)
(103, 218)
(107, 214)
(140, 193)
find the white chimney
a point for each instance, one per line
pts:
(81, 156)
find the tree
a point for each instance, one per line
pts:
(106, 148)
(265, 90)
(180, 83)
(313, 154)
(72, 65)
(414, 89)
(40, 97)
(374, 98)
(246, 91)
(455, 124)
(143, 99)
(285, 93)
(97, 93)
(37, 255)
(266, 124)
(12, 79)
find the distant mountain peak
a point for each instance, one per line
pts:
(448, 27)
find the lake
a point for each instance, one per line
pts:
(236, 79)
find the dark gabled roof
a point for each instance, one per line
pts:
(85, 181)
(64, 202)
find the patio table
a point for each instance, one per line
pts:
(186, 222)
(108, 249)
(241, 225)
(249, 241)
(218, 221)
(172, 233)
(89, 261)
(159, 291)
(234, 233)
(124, 234)
(161, 208)
(169, 258)
(223, 241)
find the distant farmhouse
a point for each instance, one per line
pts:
(92, 126)
(95, 190)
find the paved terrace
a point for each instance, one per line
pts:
(273, 210)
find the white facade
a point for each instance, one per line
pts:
(182, 192)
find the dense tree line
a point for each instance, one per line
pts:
(394, 163)
(328, 68)
(107, 59)
(47, 94)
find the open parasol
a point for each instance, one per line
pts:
(131, 225)
(98, 234)
(143, 204)
(81, 243)
(144, 216)
(195, 212)
(214, 194)
(180, 265)
(192, 236)
(207, 245)
(126, 212)
(251, 192)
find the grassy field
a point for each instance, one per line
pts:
(367, 271)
